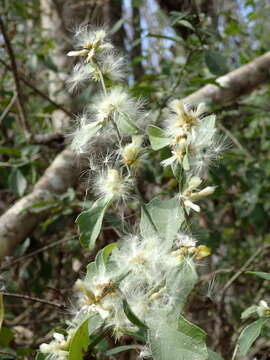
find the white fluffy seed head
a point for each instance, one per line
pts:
(111, 185)
(184, 240)
(111, 66)
(117, 103)
(86, 132)
(81, 73)
(181, 118)
(90, 43)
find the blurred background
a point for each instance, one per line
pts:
(172, 49)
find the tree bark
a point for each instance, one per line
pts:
(20, 220)
(16, 225)
(234, 84)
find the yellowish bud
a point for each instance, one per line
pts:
(131, 151)
(202, 251)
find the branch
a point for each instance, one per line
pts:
(19, 221)
(35, 252)
(16, 225)
(9, 106)
(45, 139)
(20, 102)
(235, 84)
(38, 91)
(32, 298)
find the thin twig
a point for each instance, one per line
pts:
(235, 140)
(6, 111)
(20, 101)
(33, 298)
(38, 91)
(242, 269)
(33, 253)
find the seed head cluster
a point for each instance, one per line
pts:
(147, 273)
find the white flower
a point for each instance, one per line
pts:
(190, 194)
(145, 353)
(263, 309)
(58, 348)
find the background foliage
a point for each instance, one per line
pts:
(172, 49)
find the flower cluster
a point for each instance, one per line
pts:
(149, 274)
(141, 271)
(193, 139)
(58, 347)
(191, 194)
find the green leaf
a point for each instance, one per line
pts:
(186, 24)
(249, 311)
(212, 355)
(79, 342)
(90, 271)
(176, 38)
(180, 283)
(90, 222)
(103, 256)
(177, 170)
(177, 16)
(17, 182)
(6, 336)
(117, 26)
(119, 349)
(126, 125)
(185, 163)
(250, 334)
(167, 342)
(132, 317)
(189, 329)
(260, 274)
(165, 214)
(2, 310)
(40, 356)
(215, 62)
(157, 137)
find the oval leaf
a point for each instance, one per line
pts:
(90, 222)
(249, 335)
(260, 274)
(79, 342)
(215, 62)
(165, 214)
(157, 137)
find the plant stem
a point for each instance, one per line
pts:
(137, 191)
(101, 79)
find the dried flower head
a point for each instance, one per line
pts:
(131, 152)
(111, 185)
(90, 43)
(117, 105)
